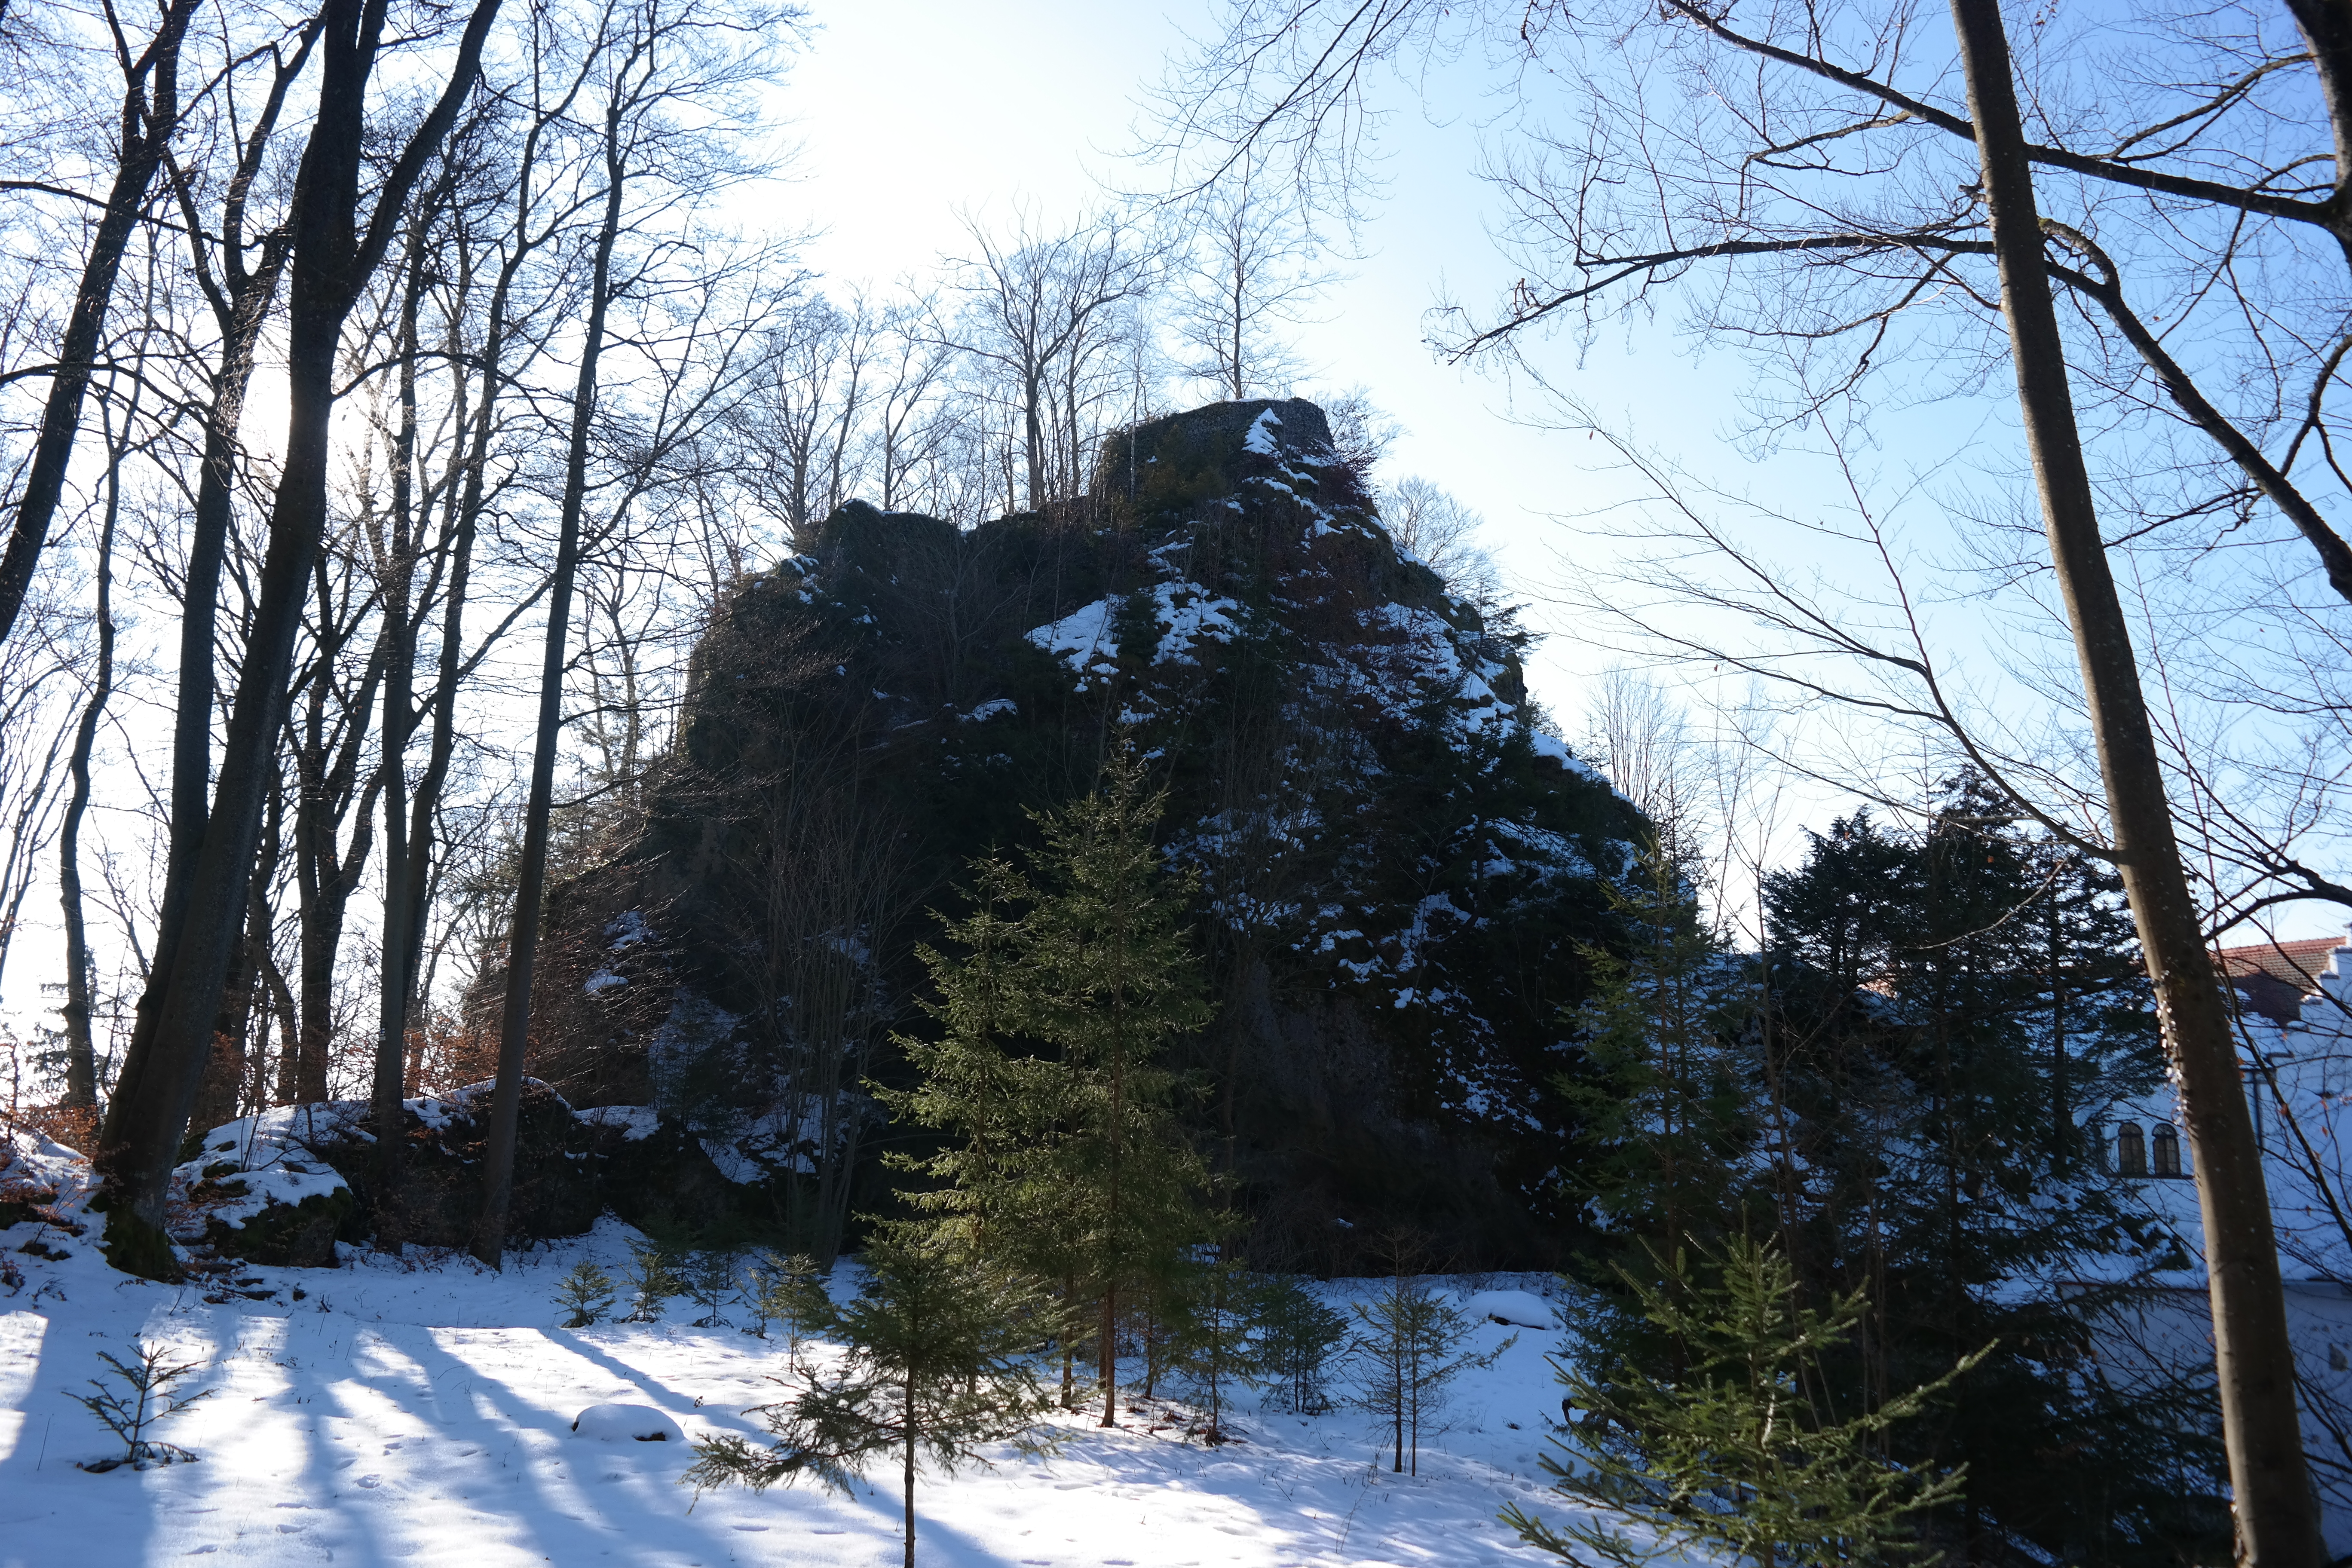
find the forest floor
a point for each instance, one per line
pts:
(420, 1410)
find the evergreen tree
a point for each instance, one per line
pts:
(1299, 1336)
(655, 1265)
(937, 1366)
(1663, 1088)
(1408, 1349)
(789, 1289)
(1052, 1025)
(1735, 1454)
(586, 1295)
(1942, 1002)
(708, 1277)
(1214, 1345)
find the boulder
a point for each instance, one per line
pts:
(626, 1424)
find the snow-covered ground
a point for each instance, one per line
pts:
(422, 1412)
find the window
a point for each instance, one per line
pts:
(2131, 1151)
(2166, 1150)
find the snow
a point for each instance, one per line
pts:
(422, 1411)
(1521, 1307)
(266, 1159)
(1552, 746)
(636, 1122)
(626, 1424)
(1263, 438)
(1078, 639)
(1187, 615)
(602, 980)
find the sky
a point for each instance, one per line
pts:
(906, 116)
(909, 116)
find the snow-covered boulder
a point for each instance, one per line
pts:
(258, 1190)
(1520, 1307)
(626, 1424)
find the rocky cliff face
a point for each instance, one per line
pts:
(1398, 869)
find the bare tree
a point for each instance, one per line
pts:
(804, 419)
(1251, 268)
(1038, 308)
(81, 1083)
(150, 117)
(657, 61)
(333, 255)
(1442, 533)
(907, 428)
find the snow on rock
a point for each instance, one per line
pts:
(602, 980)
(636, 1123)
(1555, 748)
(36, 1171)
(1081, 639)
(1188, 613)
(257, 1190)
(626, 1424)
(1263, 438)
(1518, 1306)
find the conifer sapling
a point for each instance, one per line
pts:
(789, 1291)
(1213, 1347)
(653, 1278)
(1298, 1335)
(586, 1294)
(937, 1366)
(145, 1399)
(1408, 1349)
(708, 1276)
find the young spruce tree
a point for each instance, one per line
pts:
(937, 1366)
(1733, 1455)
(1053, 1023)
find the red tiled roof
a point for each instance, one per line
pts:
(2274, 977)
(2298, 963)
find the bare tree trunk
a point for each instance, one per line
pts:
(396, 569)
(151, 114)
(81, 1055)
(2275, 1524)
(522, 943)
(332, 257)
(240, 300)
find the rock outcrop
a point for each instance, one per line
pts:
(1400, 870)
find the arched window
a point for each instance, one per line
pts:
(2166, 1150)
(2131, 1151)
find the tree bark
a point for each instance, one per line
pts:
(332, 258)
(81, 1054)
(2276, 1526)
(396, 564)
(151, 114)
(240, 300)
(907, 1418)
(523, 942)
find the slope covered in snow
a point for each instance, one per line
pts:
(421, 1411)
